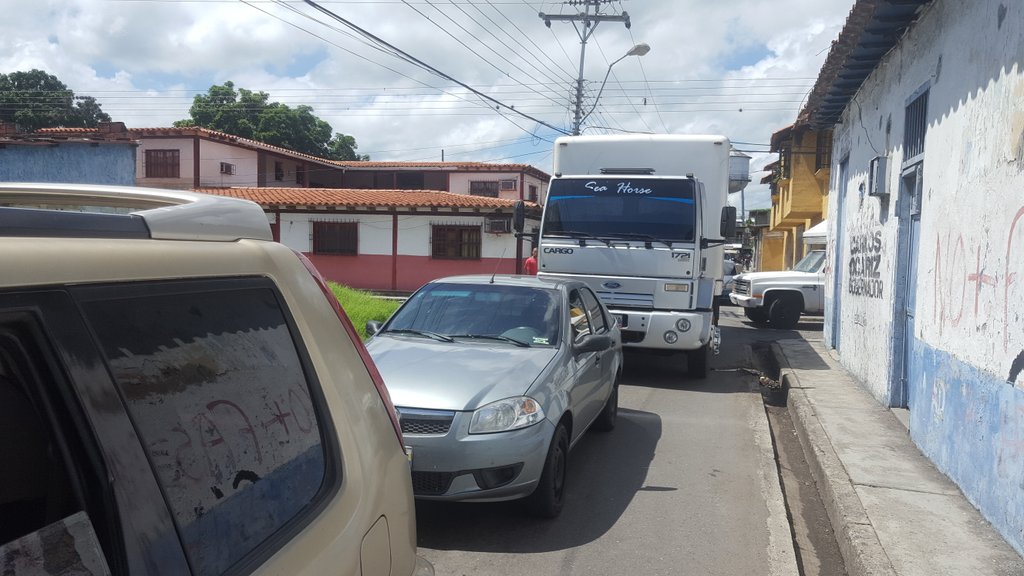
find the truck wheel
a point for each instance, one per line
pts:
(697, 362)
(784, 311)
(756, 315)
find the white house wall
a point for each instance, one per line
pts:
(211, 154)
(965, 385)
(459, 183)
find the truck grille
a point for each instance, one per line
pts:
(741, 287)
(632, 301)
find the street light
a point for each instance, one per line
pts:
(638, 50)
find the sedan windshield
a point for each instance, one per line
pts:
(486, 313)
(634, 208)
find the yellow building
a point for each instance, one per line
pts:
(799, 185)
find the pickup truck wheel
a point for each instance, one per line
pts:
(697, 362)
(756, 315)
(784, 311)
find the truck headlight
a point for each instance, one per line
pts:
(670, 287)
(505, 415)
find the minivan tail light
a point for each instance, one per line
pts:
(371, 368)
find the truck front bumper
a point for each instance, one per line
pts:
(664, 330)
(746, 301)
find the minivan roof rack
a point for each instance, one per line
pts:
(94, 211)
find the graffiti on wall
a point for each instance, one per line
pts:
(965, 279)
(865, 278)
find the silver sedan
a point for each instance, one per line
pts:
(495, 378)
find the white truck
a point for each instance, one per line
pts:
(777, 299)
(642, 219)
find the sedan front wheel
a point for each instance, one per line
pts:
(546, 501)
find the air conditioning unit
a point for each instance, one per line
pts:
(877, 185)
(497, 225)
(508, 185)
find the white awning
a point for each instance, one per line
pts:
(818, 233)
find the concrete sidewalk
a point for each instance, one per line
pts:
(892, 511)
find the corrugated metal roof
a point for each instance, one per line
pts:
(873, 28)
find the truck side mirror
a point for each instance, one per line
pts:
(728, 228)
(519, 216)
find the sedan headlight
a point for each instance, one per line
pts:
(505, 415)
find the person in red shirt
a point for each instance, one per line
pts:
(530, 266)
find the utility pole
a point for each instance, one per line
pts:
(590, 22)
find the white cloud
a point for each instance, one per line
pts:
(145, 59)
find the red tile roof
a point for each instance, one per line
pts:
(188, 132)
(348, 198)
(453, 166)
(193, 131)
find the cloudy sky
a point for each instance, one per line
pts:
(736, 67)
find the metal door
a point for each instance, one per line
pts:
(910, 232)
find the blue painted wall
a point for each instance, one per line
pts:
(971, 424)
(78, 163)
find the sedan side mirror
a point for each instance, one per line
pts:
(593, 343)
(372, 327)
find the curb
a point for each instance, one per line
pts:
(862, 552)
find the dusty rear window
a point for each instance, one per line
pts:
(215, 386)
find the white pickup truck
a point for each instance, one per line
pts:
(778, 299)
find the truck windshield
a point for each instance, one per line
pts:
(811, 262)
(621, 207)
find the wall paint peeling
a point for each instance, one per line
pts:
(972, 426)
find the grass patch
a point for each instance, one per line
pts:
(362, 307)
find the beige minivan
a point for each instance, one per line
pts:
(180, 394)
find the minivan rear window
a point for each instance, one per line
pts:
(215, 386)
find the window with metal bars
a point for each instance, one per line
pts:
(914, 127)
(163, 164)
(455, 242)
(489, 189)
(823, 150)
(336, 238)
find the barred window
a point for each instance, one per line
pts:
(823, 151)
(163, 164)
(914, 127)
(489, 189)
(456, 242)
(278, 171)
(336, 238)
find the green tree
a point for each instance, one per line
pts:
(35, 99)
(252, 115)
(343, 147)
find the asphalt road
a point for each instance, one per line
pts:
(687, 483)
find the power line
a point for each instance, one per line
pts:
(464, 45)
(428, 67)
